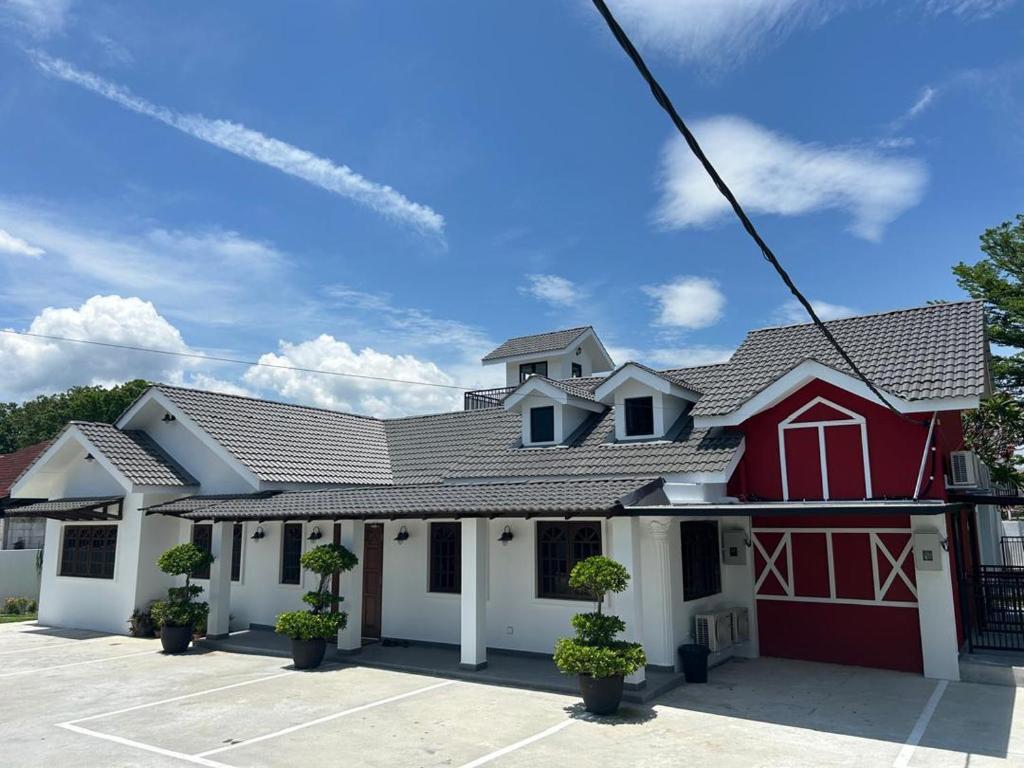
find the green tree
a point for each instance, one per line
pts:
(998, 280)
(43, 417)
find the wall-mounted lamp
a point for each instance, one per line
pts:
(506, 535)
(945, 544)
(169, 417)
(89, 457)
(403, 535)
(315, 534)
(258, 533)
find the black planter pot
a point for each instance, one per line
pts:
(601, 695)
(176, 639)
(308, 653)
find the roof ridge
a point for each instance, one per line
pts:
(882, 313)
(268, 401)
(547, 333)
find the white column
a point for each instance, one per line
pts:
(217, 624)
(474, 594)
(350, 589)
(660, 628)
(935, 607)
(628, 605)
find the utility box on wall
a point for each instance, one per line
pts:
(928, 551)
(734, 546)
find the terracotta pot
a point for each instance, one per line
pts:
(308, 654)
(175, 639)
(601, 695)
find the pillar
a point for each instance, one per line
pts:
(217, 623)
(350, 639)
(628, 605)
(935, 606)
(473, 654)
(661, 625)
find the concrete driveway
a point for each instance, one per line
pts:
(76, 697)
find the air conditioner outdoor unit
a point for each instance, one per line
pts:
(740, 625)
(714, 630)
(963, 468)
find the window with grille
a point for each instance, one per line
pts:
(291, 552)
(702, 569)
(236, 552)
(542, 424)
(639, 416)
(88, 551)
(446, 557)
(526, 370)
(560, 545)
(202, 537)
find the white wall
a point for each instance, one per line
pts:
(18, 574)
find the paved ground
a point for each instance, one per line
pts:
(87, 700)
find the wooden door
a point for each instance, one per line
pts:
(373, 571)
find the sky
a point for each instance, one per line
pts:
(392, 189)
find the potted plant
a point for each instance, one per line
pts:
(309, 630)
(178, 615)
(599, 660)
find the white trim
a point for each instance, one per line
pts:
(605, 391)
(837, 600)
(809, 370)
(782, 546)
(831, 565)
(924, 456)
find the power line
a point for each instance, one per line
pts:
(666, 104)
(220, 359)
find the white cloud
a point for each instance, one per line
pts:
(40, 18)
(32, 366)
(688, 302)
(685, 357)
(793, 312)
(981, 9)
(553, 289)
(364, 396)
(253, 145)
(18, 247)
(770, 173)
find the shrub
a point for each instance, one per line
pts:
(180, 609)
(594, 650)
(319, 622)
(19, 606)
(141, 623)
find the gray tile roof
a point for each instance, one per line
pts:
(135, 455)
(579, 497)
(286, 443)
(919, 353)
(74, 508)
(582, 387)
(674, 376)
(539, 342)
(201, 501)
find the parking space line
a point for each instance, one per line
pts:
(519, 744)
(325, 719)
(907, 751)
(75, 664)
(175, 698)
(147, 747)
(46, 647)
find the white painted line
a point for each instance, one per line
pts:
(46, 647)
(147, 747)
(175, 698)
(76, 664)
(907, 752)
(519, 744)
(325, 719)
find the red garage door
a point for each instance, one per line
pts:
(845, 595)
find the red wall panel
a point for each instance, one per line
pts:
(803, 467)
(844, 452)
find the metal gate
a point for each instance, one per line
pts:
(1013, 550)
(995, 607)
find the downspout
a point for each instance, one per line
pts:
(924, 455)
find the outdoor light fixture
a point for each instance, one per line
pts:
(403, 534)
(169, 417)
(315, 533)
(258, 533)
(89, 457)
(506, 535)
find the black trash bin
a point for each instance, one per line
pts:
(695, 662)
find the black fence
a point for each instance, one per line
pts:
(1013, 550)
(479, 399)
(995, 607)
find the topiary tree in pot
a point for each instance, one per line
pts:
(309, 630)
(599, 660)
(178, 615)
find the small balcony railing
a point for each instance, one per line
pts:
(479, 399)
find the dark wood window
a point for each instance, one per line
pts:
(639, 416)
(702, 568)
(291, 551)
(446, 557)
(542, 424)
(577, 371)
(560, 545)
(202, 537)
(88, 551)
(526, 370)
(236, 552)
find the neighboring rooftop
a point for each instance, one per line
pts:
(13, 464)
(552, 341)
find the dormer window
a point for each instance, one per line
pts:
(639, 416)
(577, 371)
(542, 424)
(526, 370)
